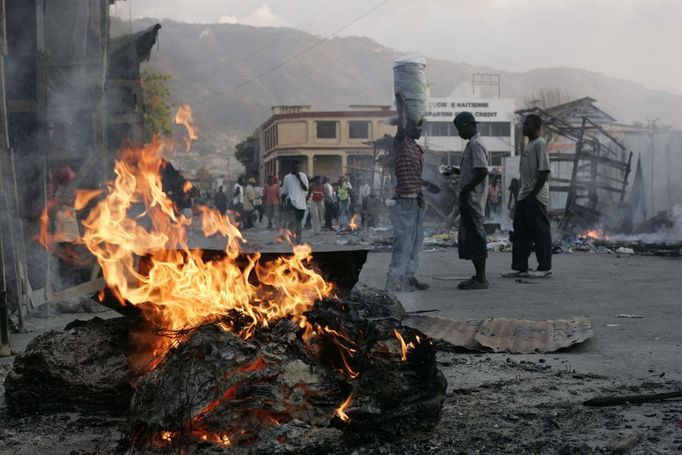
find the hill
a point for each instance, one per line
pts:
(209, 64)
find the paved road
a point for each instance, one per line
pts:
(596, 286)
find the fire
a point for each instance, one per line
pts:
(353, 223)
(594, 234)
(184, 117)
(134, 220)
(341, 410)
(405, 347)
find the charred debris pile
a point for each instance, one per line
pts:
(354, 373)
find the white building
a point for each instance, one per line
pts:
(496, 117)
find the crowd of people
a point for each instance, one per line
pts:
(294, 203)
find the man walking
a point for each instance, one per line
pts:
(316, 204)
(344, 195)
(329, 199)
(238, 199)
(473, 195)
(271, 201)
(531, 224)
(249, 203)
(220, 200)
(295, 191)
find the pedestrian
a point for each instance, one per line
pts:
(473, 189)
(316, 204)
(363, 200)
(249, 203)
(220, 200)
(271, 201)
(295, 190)
(513, 196)
(258, 203)
(329, 196)
(238, 199)
(344, 195)
(531, 223)
(407, 210)
(494, 198)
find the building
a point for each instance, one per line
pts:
(496, 117)
(328, 143)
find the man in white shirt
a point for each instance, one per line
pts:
(238, 198)
(295, 189)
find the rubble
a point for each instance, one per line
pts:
(84, 367)
(362, 375)
(276, 389)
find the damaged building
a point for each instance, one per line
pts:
(71, 96)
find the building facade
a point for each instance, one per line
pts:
(326, 143)
(496, 117)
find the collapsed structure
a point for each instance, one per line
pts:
(70, 96)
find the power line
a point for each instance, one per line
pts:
(304, 51)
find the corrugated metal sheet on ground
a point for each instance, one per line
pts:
(506, 335)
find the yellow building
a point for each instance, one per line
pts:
(327, 143)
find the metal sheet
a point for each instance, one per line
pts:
(506, 335)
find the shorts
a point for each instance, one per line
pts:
(471, 240)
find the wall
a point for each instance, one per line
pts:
(661, 160)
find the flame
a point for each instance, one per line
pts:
(342, 341)
(133, 219)
(405, 347)
(341, 410)
(187, 187)
(353, 223)
(594, 234)
(184, 117)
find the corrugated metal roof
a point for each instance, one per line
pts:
(506, 335)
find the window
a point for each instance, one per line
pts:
(358, 130)
(495, 129)
(326, 130)
(440, 129)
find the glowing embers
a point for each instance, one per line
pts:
(341, 374)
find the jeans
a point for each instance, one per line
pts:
(407, 216)
(344, 213)
(531, 225)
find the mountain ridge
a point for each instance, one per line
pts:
(207, 61)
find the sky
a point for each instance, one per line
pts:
(638, 40)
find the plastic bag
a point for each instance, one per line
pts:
(409, 80)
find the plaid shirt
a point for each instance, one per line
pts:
(409, 162)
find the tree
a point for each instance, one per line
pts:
(246, 152)
(158, 117)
